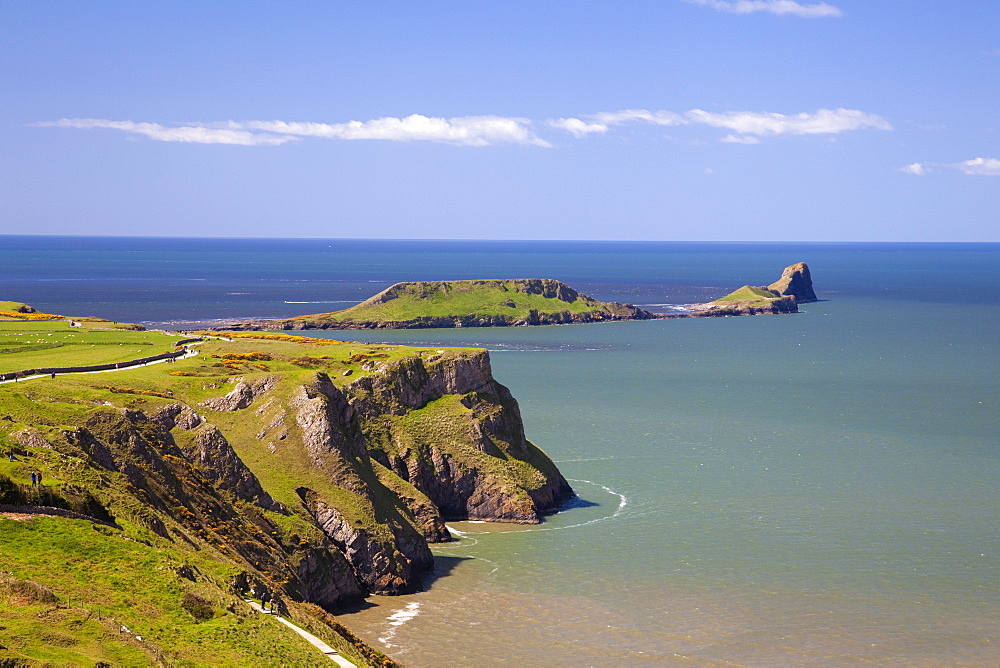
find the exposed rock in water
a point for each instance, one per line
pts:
(795, 282)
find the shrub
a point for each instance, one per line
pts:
(197, 607)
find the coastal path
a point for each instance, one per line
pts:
(333, 654)
(15, 376)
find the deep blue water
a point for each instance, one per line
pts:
(169, 279)
(816, 488)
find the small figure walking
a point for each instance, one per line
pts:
(38, 477)
(264, 599)
(34, 479)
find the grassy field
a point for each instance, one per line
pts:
(28, 345)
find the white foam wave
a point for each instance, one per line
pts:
(334, 301)
(622, 503)
(397, 619)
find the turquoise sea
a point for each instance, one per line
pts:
(819, 488)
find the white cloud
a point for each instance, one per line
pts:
(464, 131)
(640, 115)
(974, 167)
(779, 7)
(192, 134)
(747, 126)
(740, 139)
(822, 121)
(980, 167)
(576, 127)
(744, 127)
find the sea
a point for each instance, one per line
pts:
(820, 488)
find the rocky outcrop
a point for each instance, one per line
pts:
(484, 467)
(723, 309)
(385, 569)
(242, 395)
(221, 465)
(365, 473)
(176, 415)
(795, 282)
(391, 560)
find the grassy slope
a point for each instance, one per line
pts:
(97, 568)
(459, 298)
(101, 581)
(750, 293)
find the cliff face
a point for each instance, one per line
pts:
(447, 427)
(326, 491)
(795, 281)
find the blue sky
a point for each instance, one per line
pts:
(866, 120)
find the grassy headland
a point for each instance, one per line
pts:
(314, 469)
(471, 303)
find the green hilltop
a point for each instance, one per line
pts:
(469, 303)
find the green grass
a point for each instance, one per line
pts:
(487, 298)
(749, 293)
(11, 306)
(29, 345)
(101, 581)
(97, 573)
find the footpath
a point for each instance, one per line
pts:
(29, 374)
(333, 654)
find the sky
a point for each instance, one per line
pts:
(688, 120)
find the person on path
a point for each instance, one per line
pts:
(38, 477)
(34, 479)
(264, 599)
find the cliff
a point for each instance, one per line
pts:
(473, 303)
(795, 281)
(318, 471)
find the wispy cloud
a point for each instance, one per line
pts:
(779, 7)
(915, 168)
(739, 139)
(191, 134)
(746, 126)
(979, 167)
(974, 167)
(463, 131)
(576, 127)
(822, 121)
